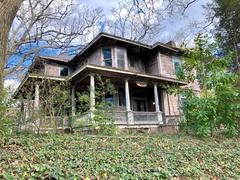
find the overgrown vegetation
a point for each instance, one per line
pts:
(103, 118)
(6, 120)
(53, 106)
(122, 157)
(218, 104)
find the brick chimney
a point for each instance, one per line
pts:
(171, 44)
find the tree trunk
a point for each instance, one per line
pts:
(8, 11)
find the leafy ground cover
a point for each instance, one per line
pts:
(124, 157)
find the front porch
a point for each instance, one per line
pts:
(138, 102)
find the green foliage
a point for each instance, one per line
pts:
(103, 118)
(122, 157)
(218, 103)
(200, 114)
(6, 123)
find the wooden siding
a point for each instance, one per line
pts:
(52, 70)
(171, 104)
(152, 66)
(95, 58)
(167, 66)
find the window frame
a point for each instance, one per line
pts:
(176, 60)
(103, 60)
(61, 68)
(117, 49)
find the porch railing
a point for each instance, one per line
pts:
(145, 117)
(121, 117)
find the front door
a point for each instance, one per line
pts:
(139, 104)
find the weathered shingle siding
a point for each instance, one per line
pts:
(171, 104)
(52, 69)
(152, 65)
(167, 66)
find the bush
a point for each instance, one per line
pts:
(6, 122)
(218, 104)
(104, 118)
(200, 115)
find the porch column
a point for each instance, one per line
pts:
(130, 117)
(92, 95)
(36, 97)
(159, 113)
(156, 98)
(36, 109)
(73, 101)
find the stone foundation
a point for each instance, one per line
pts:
(165, 129)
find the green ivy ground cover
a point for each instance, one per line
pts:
(92, 157)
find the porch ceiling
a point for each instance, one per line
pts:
(119, 75)
(28, 83)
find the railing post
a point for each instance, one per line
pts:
(130, 117)
(73, 101)
(159, 113)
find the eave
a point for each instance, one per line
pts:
(122, 73)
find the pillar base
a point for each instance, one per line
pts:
(130, 118)
(160, 117)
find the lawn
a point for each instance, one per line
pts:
(123, 157)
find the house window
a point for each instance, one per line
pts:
(63, 71)
(107, 56)
(177, 65)
(120, 58)
(122, 98)
(109, 99)
(132, 61)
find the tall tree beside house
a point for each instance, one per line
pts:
(8, 11)
(227, 27)
(218, 103)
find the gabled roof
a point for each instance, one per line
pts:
(103, 35)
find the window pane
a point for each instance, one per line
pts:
(63, 71)
(120, 58)
(107, 56)
(177, 65)
(122, 98)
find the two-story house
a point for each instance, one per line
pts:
(137, 70)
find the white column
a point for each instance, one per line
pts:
(128, 108)
(73, 101)
(36, 97)
(159, 113)
(156, 98)
(92, 93)
(130, 116)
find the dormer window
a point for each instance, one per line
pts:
(107, 56)
(63, 71)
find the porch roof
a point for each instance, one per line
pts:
(118, 73)
(33, 77)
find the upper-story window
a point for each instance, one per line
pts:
(120, 58)
(63, 71)
(107, 56)
(177, 65)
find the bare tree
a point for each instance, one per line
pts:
(130, 22)
(44, 24)
(143, 20)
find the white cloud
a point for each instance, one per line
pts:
(11, 85)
